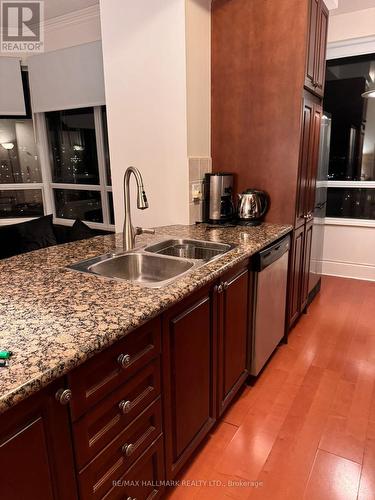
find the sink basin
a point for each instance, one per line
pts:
(146, 269)
(189, 249)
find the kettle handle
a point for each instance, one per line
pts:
(265, 203)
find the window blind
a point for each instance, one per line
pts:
(67, 79)
(12, 101)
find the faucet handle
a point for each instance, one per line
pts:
(140, 230)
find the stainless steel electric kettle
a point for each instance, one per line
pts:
(252, 207)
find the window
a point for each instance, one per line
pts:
(21, 187)
(71, 180)
(351, 174)
(79, 167)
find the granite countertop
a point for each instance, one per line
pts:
(53, 319)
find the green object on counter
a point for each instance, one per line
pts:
(5, 354)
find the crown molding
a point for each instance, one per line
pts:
(351, 47)
(81, 16)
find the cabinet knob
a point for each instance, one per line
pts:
(124, 360)
(128, 449)
(131, 498)
(220, 288)
(125, 406)
(63, 396)
(225, 285)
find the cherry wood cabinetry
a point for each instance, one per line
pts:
(189, 366)
(296, 265)
(36, 457)
(309, 152)
(233, 334)
(266, 114)
(316, 47)
(137, 410)
(306, 265)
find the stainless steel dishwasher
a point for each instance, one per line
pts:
(270, 268)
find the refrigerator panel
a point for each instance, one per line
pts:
(320, 202)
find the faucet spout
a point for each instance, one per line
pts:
(129, 231)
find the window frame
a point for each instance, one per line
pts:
(354, 47)
(46, 162)
(47, 186)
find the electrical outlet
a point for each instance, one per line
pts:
(196, 191)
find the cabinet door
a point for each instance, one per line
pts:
(295, 275)
(306, 265)
(316, 47)
(303, 176)
(233, 323)
(312, 48)
(36, 458)
(188, 364)
(313, 161)
(320, 70)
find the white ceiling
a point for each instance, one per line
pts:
(346, 6)
(55, 8)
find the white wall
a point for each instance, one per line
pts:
(198, 53)
(349, 251)
(144, 52)
(355, 24)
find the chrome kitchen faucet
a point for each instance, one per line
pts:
(130, 232)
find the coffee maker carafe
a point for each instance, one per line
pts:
(218, 198)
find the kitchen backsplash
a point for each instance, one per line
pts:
(197, 168)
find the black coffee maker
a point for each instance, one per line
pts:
(218, 198)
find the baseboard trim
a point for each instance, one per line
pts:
(349, 270)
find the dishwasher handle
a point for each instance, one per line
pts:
(270, 254)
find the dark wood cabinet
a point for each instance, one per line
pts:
(306, 265)
(233, 334)
(309, 152)
(316, 47)
(189, 376)
(36, 457)
(295, 275)
(271, 139)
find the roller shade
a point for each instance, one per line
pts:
(67, 79)
(12, 101)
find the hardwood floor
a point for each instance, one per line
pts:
(306, 429)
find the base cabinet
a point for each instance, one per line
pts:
(233, 334)
(189, 346)
(139, 409)
(299, 272)
(36, 457)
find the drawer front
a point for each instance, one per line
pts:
(111, 464)
(144, 480)
(105, 421)
(106, 371)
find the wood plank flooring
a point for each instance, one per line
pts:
(306, 429)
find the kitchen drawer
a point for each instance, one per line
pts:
(96, 479)
(100, 375)
(106, 420)
(144, 480)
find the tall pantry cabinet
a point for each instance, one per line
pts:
(268, 73)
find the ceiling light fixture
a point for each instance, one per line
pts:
(8, 145)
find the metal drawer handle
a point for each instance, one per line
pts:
(124, 360)
(125, 406)
(128, 449)
(226, 285)
(131, 498)
(63, 396)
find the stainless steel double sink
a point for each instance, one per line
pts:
(155, 265)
